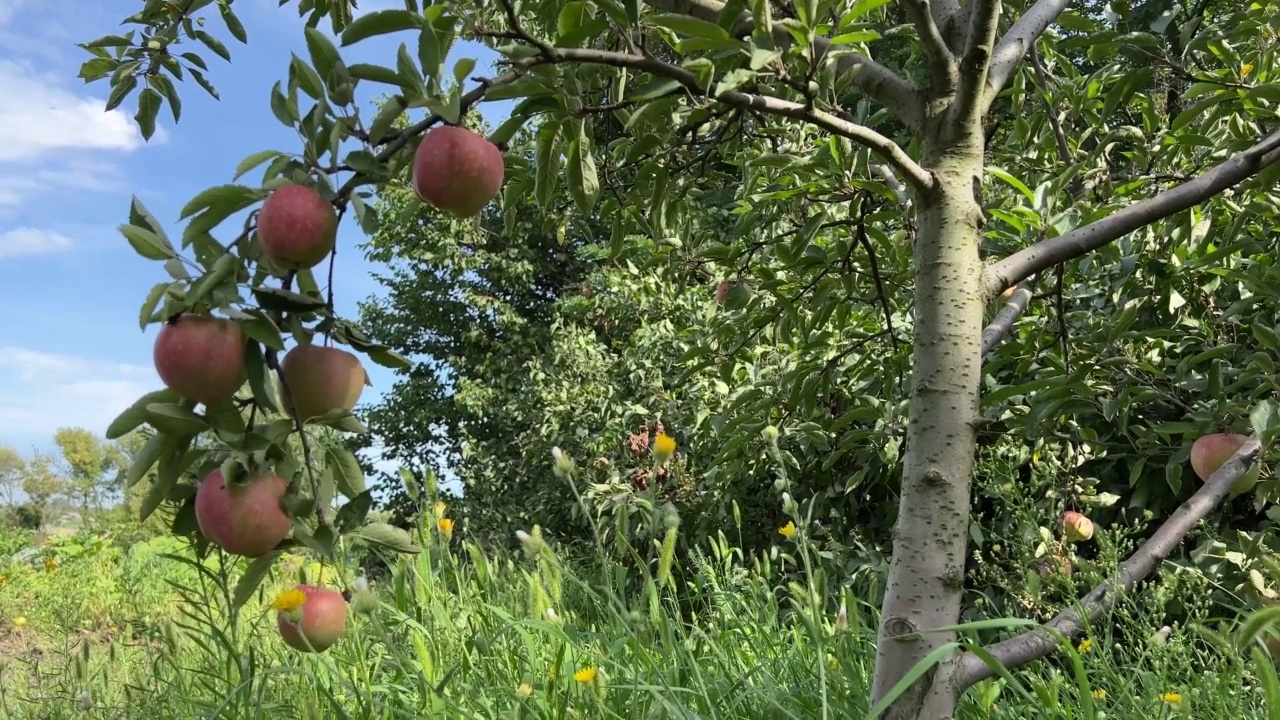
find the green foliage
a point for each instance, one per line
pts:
(696, 238)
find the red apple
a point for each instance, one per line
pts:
(1076, 527)
(201, 358)
(324, 618)
(246, 519)
(320, 379)
(1209, 452)
(722, 290)
(297, 227)
(457, 170)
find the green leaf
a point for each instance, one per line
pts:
(255, 160)
(119, 92)
(174, 419)
(146, 457)
(388, 536)
(325, 58)
(346, 471)
(260, 379)
(548, 164)
(278, 300)
(213, 44)
(252, 578)
(149, 102)
(165, 86)
(340, 420)
(308, 80)
(149, 305)
(686, 25)
(148, 244)
(354, 512)
(375, 73)
(234, 26)
(136, 414)
(584, 184)
(139, 215)
(260, 327)
(389, 358)
(228, 199)
(224, 268)
(167, 475)
(379, 23)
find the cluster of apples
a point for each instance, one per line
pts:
(201, 357)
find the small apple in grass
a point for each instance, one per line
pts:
(245, 520)
(201, 358)
(319, 379)
(297, 227)
(1209, 452)
(457, 170)
(310, 618)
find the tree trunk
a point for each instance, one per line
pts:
(926, 573)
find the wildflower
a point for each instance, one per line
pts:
(842, 618)
(439, 508)
(525, 690)
(664, 446)
(19, 621)
(1245, 69)
(770, 433)
(1084, 645)
(1099, 694)
(586, 675)
(290, 602)
(563, 463)
(1171, 698)
(788, 531)
(51, 564)
(445, 525)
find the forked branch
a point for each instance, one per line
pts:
(874, 80)
(1015, 43)
(943, 71)
(975, 63)
(886, 148)
(1047, 253)
(1040, 642)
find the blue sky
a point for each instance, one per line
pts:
(71, 353)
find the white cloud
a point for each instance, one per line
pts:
(58, 139)
(9, 9)
(45, 391)
(32, 241)
(40, 116)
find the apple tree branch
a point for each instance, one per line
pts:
(1008, 315)
(1011, 48)
(1047, 253)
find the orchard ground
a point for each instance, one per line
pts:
(112, 624)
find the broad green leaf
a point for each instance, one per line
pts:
(379, 22)
(148, 244)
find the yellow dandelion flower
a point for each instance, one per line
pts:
(585, 675)
(1245, 69)
(1099, 694)
(51, 564)
(445, 526)
(289, 600)
(787, 531)
(525, 690)
(440, 507)
(1172, 698)
(1085, 645)
(19, 621)
(664, 446)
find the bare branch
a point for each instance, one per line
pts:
(885, 173)
(1008, 315)
(1047, 253)
(943, 72)
(874, 80)
(1015, 43)
(912, 172)
(1040, 642)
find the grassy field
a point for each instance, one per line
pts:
(92, 627)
